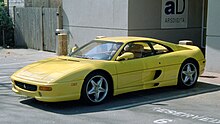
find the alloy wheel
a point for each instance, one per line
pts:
(97, 89)
(189, 74)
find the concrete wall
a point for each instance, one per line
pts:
(86, 19)
(145, 20)
(45, 3)
(213, 37)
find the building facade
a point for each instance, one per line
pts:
(171, 20)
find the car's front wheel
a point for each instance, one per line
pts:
(95, 89)
(188, 75)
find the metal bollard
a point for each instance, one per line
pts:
(62, 44)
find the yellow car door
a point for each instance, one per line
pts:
(155, 71)
(130, 70)
(129, 73)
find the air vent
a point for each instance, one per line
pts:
(25, 86)
(157, 74)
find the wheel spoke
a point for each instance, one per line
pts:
(186, 79)
(96, 96)
(184, 72)
(100, 82)
(93, 83)
(191, 78)
(193, 72)
(189, 68)
(101, 89)
(92, 91)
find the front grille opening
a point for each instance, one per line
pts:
(25, 86)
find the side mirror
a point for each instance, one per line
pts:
(126, 56)
(74, 48)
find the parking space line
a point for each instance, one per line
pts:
(17, 63)
(4, 77)
(3, 74)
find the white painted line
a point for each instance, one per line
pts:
(201, 118)
(161, 99)
(2, 73)
(4, 77)
(163, 121)
(16, 63)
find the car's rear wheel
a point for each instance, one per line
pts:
(188, 75)
(95, 89)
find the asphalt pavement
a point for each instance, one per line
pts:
(168, 105)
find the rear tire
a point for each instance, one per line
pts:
(95, 89)
(188, 75)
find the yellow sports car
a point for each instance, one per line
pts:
(110, 66)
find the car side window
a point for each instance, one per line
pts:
(148, 50)
(159, 49)
(139, 49)
(142, 49)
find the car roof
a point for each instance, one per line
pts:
(127, 39)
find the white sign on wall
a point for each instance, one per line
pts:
(174, 14)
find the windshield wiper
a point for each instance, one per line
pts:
(84, 57)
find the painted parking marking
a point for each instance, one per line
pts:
(163, 121)
(19, 63)
(201, 118)
(4, 77)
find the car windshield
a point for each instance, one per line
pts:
(98, 50)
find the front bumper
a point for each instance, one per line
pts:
(64, 91)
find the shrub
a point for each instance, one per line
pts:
(6, 25)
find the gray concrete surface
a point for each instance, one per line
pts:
(169, 105)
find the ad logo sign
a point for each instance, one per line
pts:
(174, 14)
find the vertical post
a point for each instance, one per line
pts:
(14, 7)
(59, 28)
(42, 28)
(3, 38)
(8, 6)
(62, 44)
(14, 23)
(204, 25)
(59, 18)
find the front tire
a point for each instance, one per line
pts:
(95, 89)
(188, 75)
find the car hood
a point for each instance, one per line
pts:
(52, 69)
